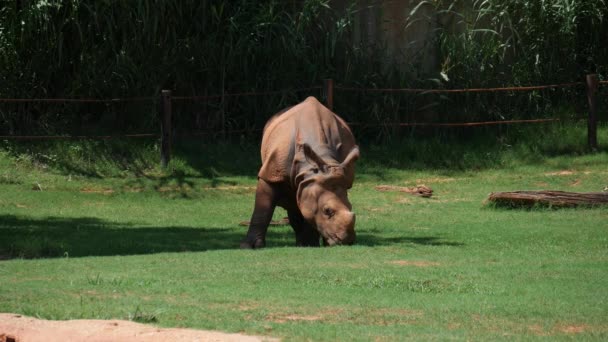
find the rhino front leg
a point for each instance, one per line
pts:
(265, 202)
(306, 235)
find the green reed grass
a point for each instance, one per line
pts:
(113, 49)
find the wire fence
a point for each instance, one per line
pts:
(465, 90)
(328, 93)
(79, 100)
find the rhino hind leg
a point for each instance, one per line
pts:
(265, 202)
(306, 235)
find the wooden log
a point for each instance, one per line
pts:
(549, 197)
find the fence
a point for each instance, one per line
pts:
(329, 89)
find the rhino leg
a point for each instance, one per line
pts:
(306, 235)
(265, 202)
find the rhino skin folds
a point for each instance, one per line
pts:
(308, 164)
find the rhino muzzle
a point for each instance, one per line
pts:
(345, 234)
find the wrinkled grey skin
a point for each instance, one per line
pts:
(308, 156)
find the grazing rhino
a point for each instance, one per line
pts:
(308, 163)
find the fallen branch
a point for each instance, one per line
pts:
(418, 190)
(549, 197)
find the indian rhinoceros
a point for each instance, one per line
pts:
(308, 164)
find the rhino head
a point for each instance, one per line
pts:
(322, 185)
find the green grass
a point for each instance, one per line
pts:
(154, 246)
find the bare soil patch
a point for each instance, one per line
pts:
(572, 328)
(416, 263)
(436, 180)
(418, 190)
(93, 190)
(282, 222)
(18, 328)
(560, 173)
(293, 318)
(569, 329)
(367, 316)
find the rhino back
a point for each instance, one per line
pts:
(308, 122)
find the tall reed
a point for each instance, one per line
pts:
(116, 48)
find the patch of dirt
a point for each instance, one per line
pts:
(94, 204)
(569, 329)
(403, 200)
(537, 330)
(377, 210)
(282, 222)
(357, 316)
(453, 200)
(293, 318)
(173, 188)
(133, 188)
(436, 180)
(395, 311)
(454, 326)
(576, 182)
(418, 190)
(560, 173)
(419, 228)
(19, 328)
(572, 329)
(91, 190)
(352, 265)
(416, 263)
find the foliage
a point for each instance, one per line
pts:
(486, 44)
(117, 49)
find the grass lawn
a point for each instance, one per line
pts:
(98, 237)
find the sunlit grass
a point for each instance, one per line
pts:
(161, 247)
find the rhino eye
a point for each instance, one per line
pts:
(328, 212)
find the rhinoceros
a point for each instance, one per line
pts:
(308, 164)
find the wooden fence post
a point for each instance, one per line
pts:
(328, 91)
(592, 87)
(165, 127)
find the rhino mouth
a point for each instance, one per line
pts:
(335, 241)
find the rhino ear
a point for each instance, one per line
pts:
(352, 156)
(312, 157)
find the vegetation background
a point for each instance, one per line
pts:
(118, 49)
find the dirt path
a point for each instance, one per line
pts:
(18, 328)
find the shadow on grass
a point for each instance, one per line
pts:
(366, 239)
(22, 237)
(471, 149)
